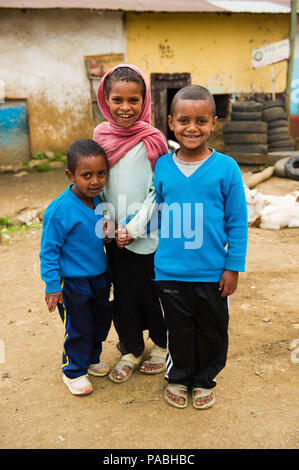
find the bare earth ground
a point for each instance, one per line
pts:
(257, 392)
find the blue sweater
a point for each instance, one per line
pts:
(70, 246)
(204, 220)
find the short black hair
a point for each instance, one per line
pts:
(123, 74)
(83, 148)
(193, 92)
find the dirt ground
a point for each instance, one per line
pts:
(256, 394)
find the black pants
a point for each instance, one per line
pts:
(86, 314)
(136, 306)
(196, 318)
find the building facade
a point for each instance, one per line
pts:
(43, 68)
(42, 65)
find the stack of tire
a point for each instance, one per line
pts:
(275, 116)
(245, 135)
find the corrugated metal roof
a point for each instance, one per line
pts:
(237, 6)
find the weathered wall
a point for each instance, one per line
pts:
(42, 59)
(215, 48)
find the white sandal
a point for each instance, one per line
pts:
(199, 392)
(78, 386)
(157, 356)
(99, 370)
(119, 368)
(179, 390)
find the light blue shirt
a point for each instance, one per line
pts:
(205, 232)
(129, 193)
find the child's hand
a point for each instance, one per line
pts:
(53, 299)
(109, 230)
(228, 283)
(122, 237)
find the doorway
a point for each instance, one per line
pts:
(163, 88)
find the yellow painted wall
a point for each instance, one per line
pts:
(215, 48)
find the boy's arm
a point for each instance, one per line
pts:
(236, 224)
(137, 226)
(147, 219)
(53, 237)
(107, 211)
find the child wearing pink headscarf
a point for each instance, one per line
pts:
(132, 146)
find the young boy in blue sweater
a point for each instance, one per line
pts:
(202, 248)
(74, 268)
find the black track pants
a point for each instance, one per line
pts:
(196, 318)
(136, 305)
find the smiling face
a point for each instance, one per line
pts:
(192, 123)
(89, 177)
(125, 102)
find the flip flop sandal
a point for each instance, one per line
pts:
(198, 392)
(157, 356)
(119, 369)
(153, 360)
(181, 391)
(99, 370)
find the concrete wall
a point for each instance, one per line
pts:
(215, 48)
(42, 60)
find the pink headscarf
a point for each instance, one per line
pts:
(117, 140)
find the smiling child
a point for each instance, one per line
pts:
(194, 277)
(74, 266)
(133, 146)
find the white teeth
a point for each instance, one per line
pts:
(125, 115)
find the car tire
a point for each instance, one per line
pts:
(278, 123)
(279, 167)
(245, 126)
(273, 114)
(292, 167)
(247, 148)
(246, 116)
(245, 138)
(283, 143)
(247, 106)
(279, 136)
(273, 104)
(278, 130)
(249, 158)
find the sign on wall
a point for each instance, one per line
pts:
(96, 67)
(271, 54)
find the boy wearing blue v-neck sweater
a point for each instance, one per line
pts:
(202, 248)
(74, 267)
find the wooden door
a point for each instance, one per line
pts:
(163, 88)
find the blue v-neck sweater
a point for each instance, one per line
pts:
(72, 241)
(204, 220)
